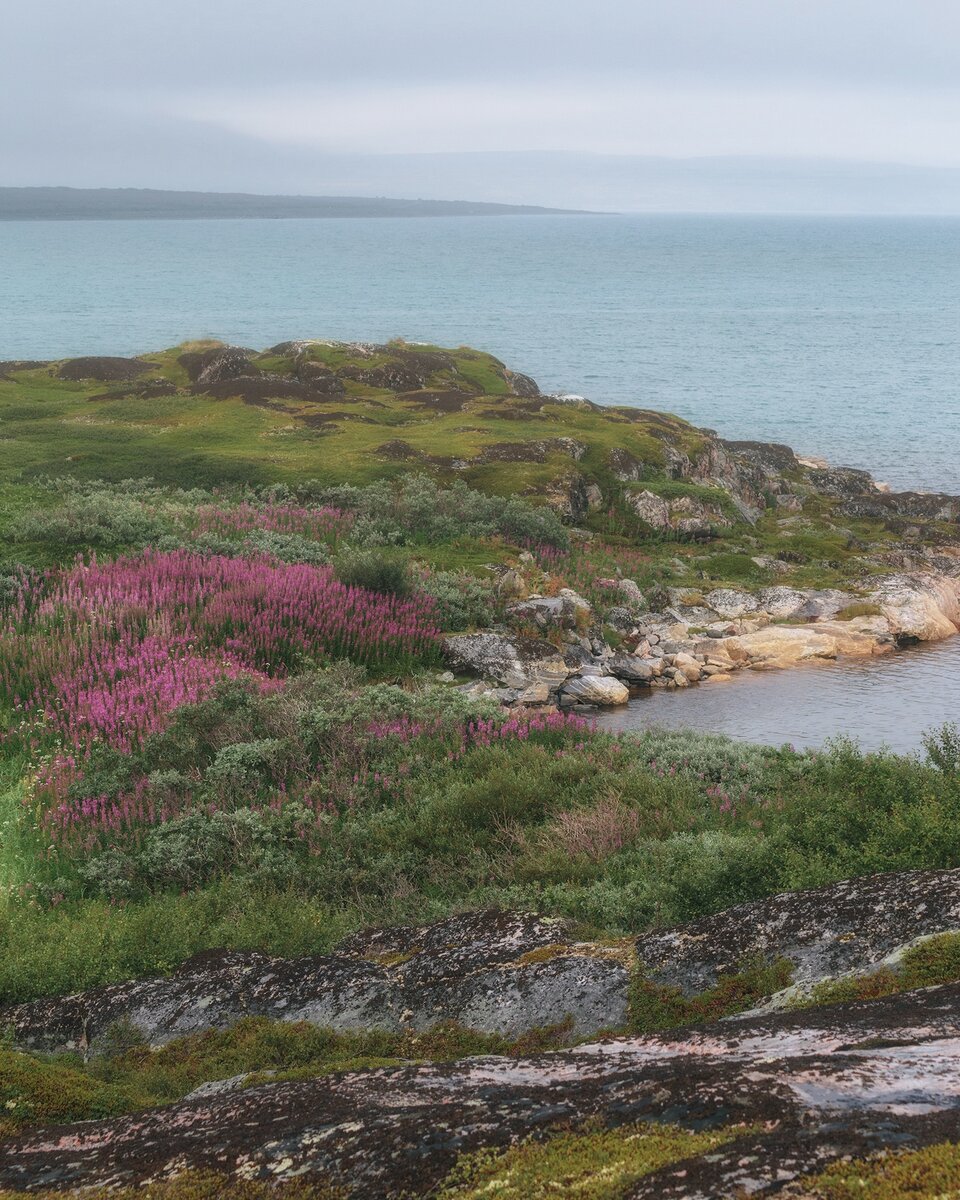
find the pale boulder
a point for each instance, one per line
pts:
(603, 690)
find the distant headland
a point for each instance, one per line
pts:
(127, 204)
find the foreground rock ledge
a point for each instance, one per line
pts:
(507, 973)
(828, 1083)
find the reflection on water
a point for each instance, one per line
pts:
(887, 701)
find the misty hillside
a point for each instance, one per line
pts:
(113, 204)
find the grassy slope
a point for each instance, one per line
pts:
(96, 430)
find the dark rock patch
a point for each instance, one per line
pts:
(408, 371)
(771, 457)
(140, 391)
(843, 482)
(110, 370)
(8, 367)
(319, 378)
(531, 452)
(398, 450)
(257, 390)
(441, 402)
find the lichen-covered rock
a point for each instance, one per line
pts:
(501, 972)
(730, 603)
(603, 690)
(824, 932)
(567, 610)
(514, 662)
(805, 1088)
(919, 607)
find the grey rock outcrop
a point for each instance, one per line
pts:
(514, 662)
(823, 932)
(490, 971)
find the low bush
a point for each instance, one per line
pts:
(374, 571)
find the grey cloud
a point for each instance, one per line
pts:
(238, 94)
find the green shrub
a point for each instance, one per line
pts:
(417, 510)
(373, 570)
(462, 601)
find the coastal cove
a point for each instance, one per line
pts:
(878, 702)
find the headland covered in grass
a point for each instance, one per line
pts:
(303, 641)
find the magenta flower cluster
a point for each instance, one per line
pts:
(108, 650)
(325, 524)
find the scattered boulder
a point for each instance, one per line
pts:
(730, 603)
(602, 690)
(217, 365)
(631, 668)
(515, 662)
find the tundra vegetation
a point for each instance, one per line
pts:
(225, 721)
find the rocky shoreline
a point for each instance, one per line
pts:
(908, 590)
(725, 632)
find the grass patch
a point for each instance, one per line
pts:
(591, 1164)
(933, 1171)
(41, 1090)
(652, 1006)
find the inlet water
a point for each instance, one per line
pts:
(890, 701)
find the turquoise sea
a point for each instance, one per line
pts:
(839, 336)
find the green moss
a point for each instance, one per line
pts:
(932, 1171)
(592, 1164)
(850, 611)
(200, 1185)
(653, 1006)
(34, 1092)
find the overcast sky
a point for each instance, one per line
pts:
(268, 97)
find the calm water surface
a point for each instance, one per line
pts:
(890, 701)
